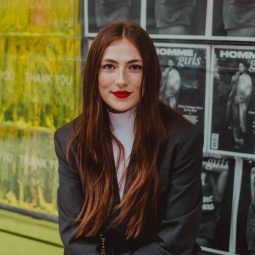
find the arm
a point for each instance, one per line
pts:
(173, 83)
(181, 216)
(165, 73)
(70, 200)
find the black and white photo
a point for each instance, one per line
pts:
(100, 12)
(184, 79)
(245, 236)
(217, 183)
(234, 19)
(232, 101)
(176, 18)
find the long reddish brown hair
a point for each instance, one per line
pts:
(92, 139)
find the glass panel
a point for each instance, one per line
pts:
(40, 78)
(28, 176)
(38, 16)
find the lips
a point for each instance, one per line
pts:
(122, 93)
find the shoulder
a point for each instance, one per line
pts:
(181, 134)
(66, 130)
(62, 139)
(175, 71)
(246, 78)
(63, 134)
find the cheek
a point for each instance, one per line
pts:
(104, 80)
(101, 81)
(138, 82)
(139, 87)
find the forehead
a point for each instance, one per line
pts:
(121, 49)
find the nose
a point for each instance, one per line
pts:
(121, 78)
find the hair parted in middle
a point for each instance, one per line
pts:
(92, 143)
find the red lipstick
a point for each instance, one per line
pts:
(122, 93)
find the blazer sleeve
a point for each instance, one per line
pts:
(70, 200)
(181, 215)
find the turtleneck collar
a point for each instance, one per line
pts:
(122, 120)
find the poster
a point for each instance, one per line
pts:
(233, 20)
(185, 79)
(245, 236)
(217, 182)
(100, 12)
(232, 101)
(184, 19)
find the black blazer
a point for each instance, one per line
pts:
(179, 162)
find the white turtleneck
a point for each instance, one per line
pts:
(122, 126)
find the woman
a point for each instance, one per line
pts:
(171, 83)
(129, 166)
(238, 103)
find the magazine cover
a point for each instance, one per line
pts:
(176, 19)
(217, 181)
(233, 20)
(232, 100)
(184, 79)
(245, 236)
(99, 12)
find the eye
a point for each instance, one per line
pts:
(136, 67)
(108, 67)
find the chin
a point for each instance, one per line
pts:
(119, 109)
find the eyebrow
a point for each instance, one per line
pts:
(129, 62)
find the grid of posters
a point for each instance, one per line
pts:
(232, 99)
(184, 79)
(212, 85)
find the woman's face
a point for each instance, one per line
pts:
(120, 76)
(171, 63)
(241, 67)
